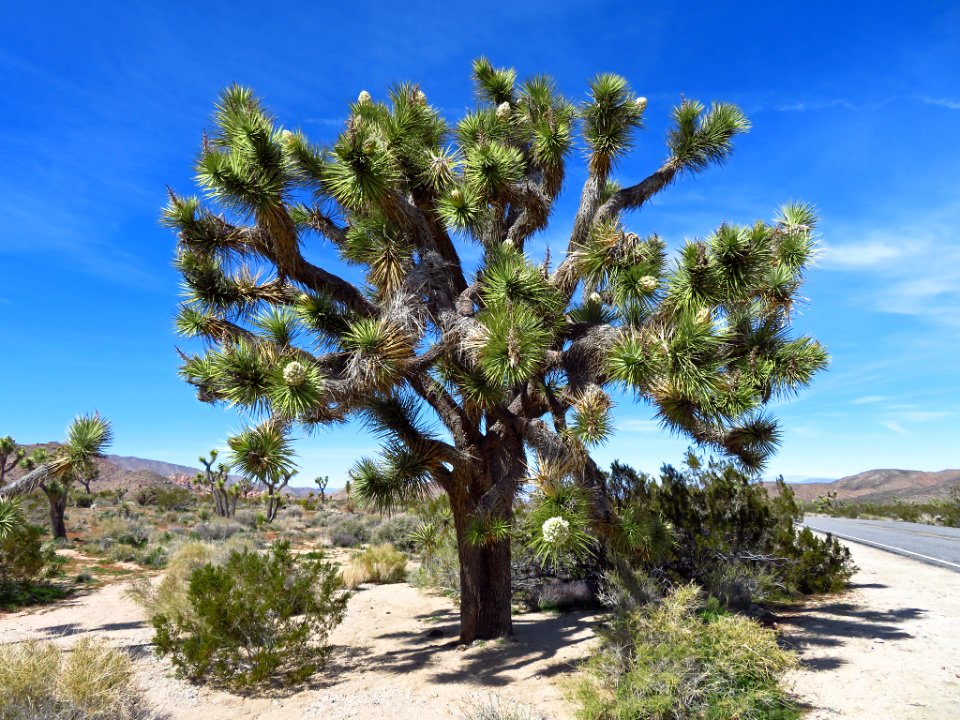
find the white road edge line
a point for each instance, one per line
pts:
(888, 547)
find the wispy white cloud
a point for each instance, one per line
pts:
(868, 400)
(915, 268)
(894, 426)
(940, 102)
(639, 426)
(866, 254)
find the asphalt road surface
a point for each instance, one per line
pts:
(930, 543)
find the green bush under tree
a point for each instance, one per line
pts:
(255, 619)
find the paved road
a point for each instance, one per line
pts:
(930, 543)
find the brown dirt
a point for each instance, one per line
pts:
(396, 653)
(887, 649)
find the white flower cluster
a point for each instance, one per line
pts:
(503, 111)
(294, 374)
(648, 283)
(556, 530)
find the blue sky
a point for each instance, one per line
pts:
(855, 107)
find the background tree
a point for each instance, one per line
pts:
(264, 454)
(322, 481)
(54, 474)
(224, 498)
(10, 455)
(517, 356)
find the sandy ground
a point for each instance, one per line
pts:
(887, 650)
(396, 654)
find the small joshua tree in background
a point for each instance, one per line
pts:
(264, 455)
(322, 481)
(224, 495)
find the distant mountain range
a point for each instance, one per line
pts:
(883, 485)
(870, 486)
(134, 473)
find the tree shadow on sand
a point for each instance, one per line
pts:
(832, 624)
(537, 638)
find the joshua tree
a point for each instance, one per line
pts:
(514, 357)
(322, 481)
(10, 455)
(264, 454)
(54, 474)
(88, 476)
(224, 496)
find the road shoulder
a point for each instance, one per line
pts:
(887, 649)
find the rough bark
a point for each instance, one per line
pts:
(58, 509)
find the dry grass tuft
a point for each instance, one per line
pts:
(91, 681)
(379, 564)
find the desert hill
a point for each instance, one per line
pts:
(883, 485)
(135, 473)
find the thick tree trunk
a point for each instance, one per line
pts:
(58, 508)
(485, 591)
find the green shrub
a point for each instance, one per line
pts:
(819, 565)
(256, 618)
(350, 530)
(397, 531)
(731, 538)
(23, 556)
(439, 569)
(667, 661)
(83, 500)
(91, 681)
(378, 564)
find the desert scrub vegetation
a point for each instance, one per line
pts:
(721, 530)
(253, 619)
(377, 564)
(90, 681)
(677, 659)
(944, 512)
(26, 565)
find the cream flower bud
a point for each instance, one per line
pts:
(503, 111)
(704, 315)
(648, 283)
(364, 97)
(287, 136)
(420, 96)
(456, 196)
(595, 297)
(641, 103)
(294, 374)
(556, 530)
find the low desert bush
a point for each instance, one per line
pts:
(819, 565)
(398, 531)
(253, 619)
(563, 595)
(216, 530)
(25, 560)
(439, 569)
(496, 708)
(350, 530)
(668, 660)
(378, 564)
(168, 596)
(92, 681)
